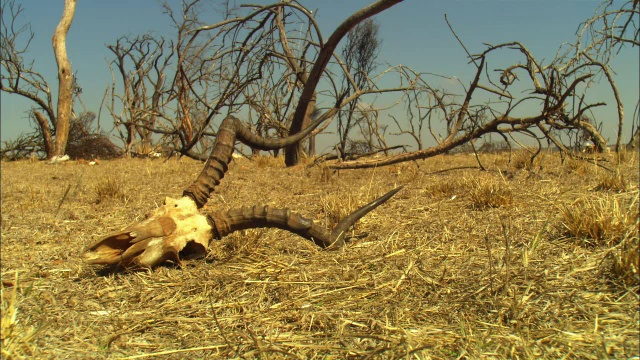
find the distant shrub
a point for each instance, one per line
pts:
(25, 146)
(86, 142)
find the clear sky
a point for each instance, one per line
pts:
(414, 33)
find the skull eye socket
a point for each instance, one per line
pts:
(193, 250)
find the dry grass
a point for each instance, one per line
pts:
(437, 276)
(612, 182)
(17, 338)
(489, 194)
(110, 188)
(262, 161)
(627, 157)
(448, 188)
(603, 220)
(337, 206)
(521, 160)
(625, 261)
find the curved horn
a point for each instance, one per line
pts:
(178, 229)
(265, 216)
(216, 166)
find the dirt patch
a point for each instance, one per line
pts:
(460, 264)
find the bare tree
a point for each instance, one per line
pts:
(464, 121)
(325, 54)
(259, 62)
(359, 55)
(613, 27)
(141, 63)
(424, 107)
(168, 85)
(265, 35)
(19, 76)
(554, 89)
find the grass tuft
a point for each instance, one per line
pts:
(599, 221)
(446, 188)
(612, 182)
(485, 194)
(580, 167)
(337, 206)
(110, 188)
(625, 266)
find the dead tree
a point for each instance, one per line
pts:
(261, 63)
(140, 63)
(19, 76)
(600, 38)
(359, 55)
(553, 89)
(179, 230)
(424, 107)
(467, 121)
(168, 85)
(324, 55)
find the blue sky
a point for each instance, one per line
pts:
(414, 33)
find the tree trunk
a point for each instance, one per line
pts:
(312, 145)
(634, 143)
(307, 119)
(65, 80)
(45, 130)
(131, 136)
(186, 123)
(595, 136)
(291, 153)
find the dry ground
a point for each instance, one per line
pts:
(520, 261)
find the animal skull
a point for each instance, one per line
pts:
(178, 229)
(175, 228)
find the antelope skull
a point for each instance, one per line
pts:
(179, 230)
